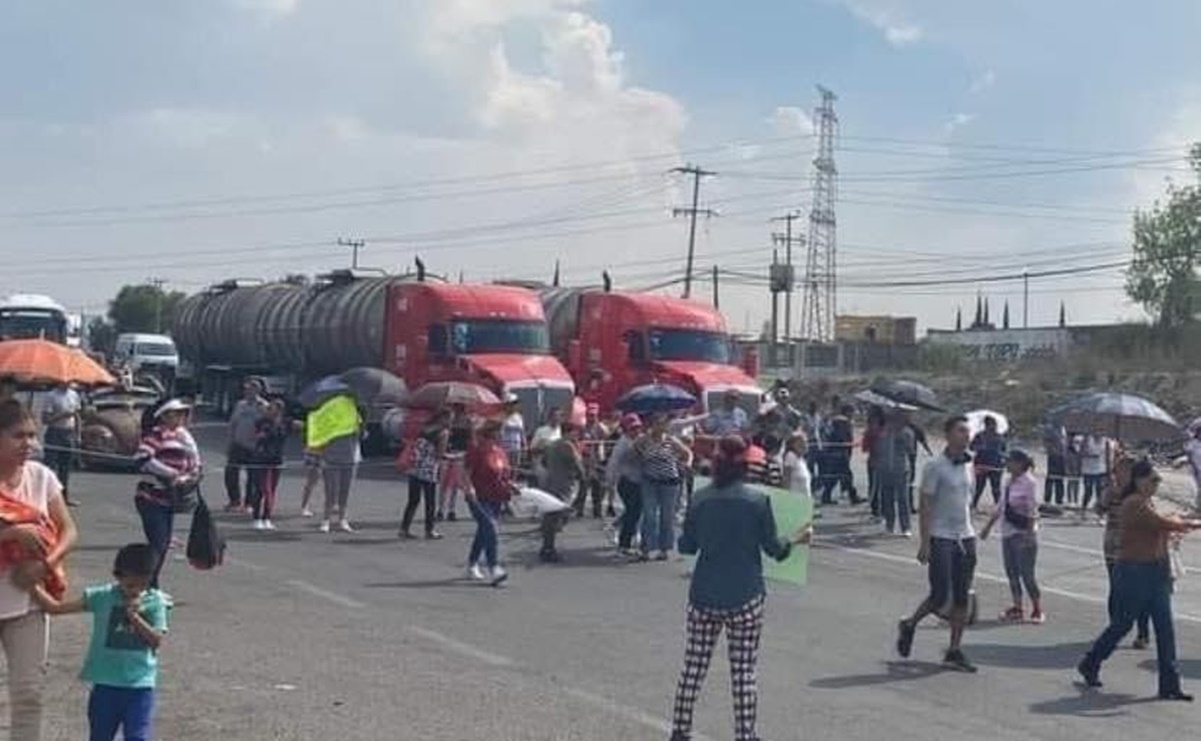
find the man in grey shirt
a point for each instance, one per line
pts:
(243, 438)
(948, 542)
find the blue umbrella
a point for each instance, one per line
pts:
(1119, 416)
(322, 390)
(656, 398)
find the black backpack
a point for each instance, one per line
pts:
(206, 545)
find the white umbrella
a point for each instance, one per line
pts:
(531, 502)
(975, 420)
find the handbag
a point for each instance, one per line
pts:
(1015, 518)
(206, 545)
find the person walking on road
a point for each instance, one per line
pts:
(989, 447)
(836, 457)
(340, 458)
(1123, 470)
(60, 418)
(272, 432)
(491, 487)
(242, 442)
(428, 448)
(31, 489)
(563, 473)
(453, 480)
(1018, 513)
(1143, 581)
(890, 456)
(948, 542)
(624, 472)
(170, 460)
(728, 526)
(664, 459)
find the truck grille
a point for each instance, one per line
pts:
(535, 402)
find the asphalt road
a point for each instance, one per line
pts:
(309, 636)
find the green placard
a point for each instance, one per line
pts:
(792, 511)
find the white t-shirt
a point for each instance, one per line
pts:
(61, 401)
(949, 487)
(38, 486)
(545, 435)
(1094, 456)
(800, 481)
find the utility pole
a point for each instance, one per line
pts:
(696, 173)
(716, 293)
(821, 265)
(775, 313)
(788, 240)
(354, 244)
(1026, 299)
(157, 284)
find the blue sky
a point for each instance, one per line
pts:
(194, 141)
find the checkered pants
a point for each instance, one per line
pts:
(743, 626)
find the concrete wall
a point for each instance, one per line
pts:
(888, 330)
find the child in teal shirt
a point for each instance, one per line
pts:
(129, 622)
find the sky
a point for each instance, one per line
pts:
(201, 140)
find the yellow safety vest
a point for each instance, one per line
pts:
(338, 417)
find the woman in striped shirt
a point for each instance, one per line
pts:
(170, 461)
(664, 461)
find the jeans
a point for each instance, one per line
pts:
(158, 524)
(1054, 490)
(486, 538)
(418, 490)
(893, 493)
(1142, 587)
(987, 478)
(338, 480)
(26, 640)
(1020, 554)
(836, 471)
(631, 515)
(236, 458)
(1094, 484)
(62, 459)
(128, 708)
(659, 515)
(1144, 618)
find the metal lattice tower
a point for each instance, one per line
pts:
(821, 265)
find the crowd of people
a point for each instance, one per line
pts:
(638, 470)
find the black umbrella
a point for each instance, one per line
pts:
(375, 387)
(1119, 416)
(323, 390)
(907, 392)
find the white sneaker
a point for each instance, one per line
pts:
(257, 525)
(475, 573)
(499, 575)
(345, 527)
(306, 512)
(907, 534)
(324, 526)
(268, 525)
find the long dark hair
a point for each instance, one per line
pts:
(729, 464)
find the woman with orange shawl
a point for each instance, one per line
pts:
(36, 533)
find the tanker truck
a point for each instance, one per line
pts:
(612, 341)
(290, 334)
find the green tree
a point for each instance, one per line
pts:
(144, 308)
(1167, 247)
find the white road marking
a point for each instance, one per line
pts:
(911, 561)
(459, 647)
(317, 591)
(627, 712)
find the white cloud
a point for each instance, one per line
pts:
(982, 83)
(958, 121)
(790, 120)
(270, 8)
(897, 30)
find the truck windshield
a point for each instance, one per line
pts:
(154, 349)
(689, 344)
(499, 336)
(24, 324)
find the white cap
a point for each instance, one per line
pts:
(174, 405)
(511, 398)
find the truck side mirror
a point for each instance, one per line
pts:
(575, 356)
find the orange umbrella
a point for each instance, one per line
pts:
(40, 361)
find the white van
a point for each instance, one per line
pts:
(146, 351)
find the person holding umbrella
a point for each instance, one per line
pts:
(1123, 470)
(624, 473)
(1143, 581)
(664, 459)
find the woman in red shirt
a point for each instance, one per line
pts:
(491, 481)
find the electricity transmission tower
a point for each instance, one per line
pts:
(821, 264)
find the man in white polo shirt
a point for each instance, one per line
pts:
(948, 542)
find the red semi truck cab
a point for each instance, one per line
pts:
(493, 335)
(622, 340)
